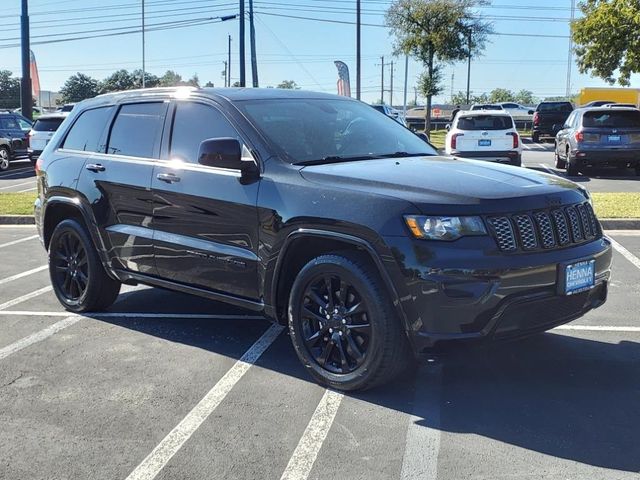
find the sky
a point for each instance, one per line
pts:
(299, 49)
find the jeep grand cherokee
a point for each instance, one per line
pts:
(318, 212)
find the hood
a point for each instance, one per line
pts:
(447, 185)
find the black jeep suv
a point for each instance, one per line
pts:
(318, 212)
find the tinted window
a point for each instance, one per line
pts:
(613, 119)
(9, 123)
(47, 124)
(485, 122)
(557, 107)
(86, 132)
(137, 130)
(313, 129)
(24, 124)
(510, 105)
(192, 124)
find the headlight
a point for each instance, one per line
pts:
(444, 228)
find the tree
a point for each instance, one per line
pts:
(194, 81)
(78, 87)
(9, 90)
(460, 98)
(117, 81)
(499, 95)
(209, 84)
(289, 84)
(525, 97)
(607, 39)
(436, 32)
(170, 79)
(150, 80)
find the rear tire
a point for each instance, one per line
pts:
(535, 137)
(517, 162)
(361, 344)
(5, 158)
(571, 168)
(77, 275)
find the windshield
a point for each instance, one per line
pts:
(47, 124)
(485, 122)
(316, 129)
(612, 119)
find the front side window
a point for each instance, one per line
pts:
(137, 130)
(86, 132)
(485, 122)
(307, 129)
(192, 124)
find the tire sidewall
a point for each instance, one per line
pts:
(8, 153)
(339, 266)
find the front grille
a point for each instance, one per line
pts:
(545, 229)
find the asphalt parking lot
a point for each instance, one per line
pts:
(174, 387)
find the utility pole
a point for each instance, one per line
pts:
(452, 77)
(469, 71)
(406, 78)
(358, 49)
(252, 46)
(25, 85)
(570, 56)
(229, 63)
(143, 56)
(415, 96)
(382, 80)
(226, 65)
(242, 66)
(391, 87)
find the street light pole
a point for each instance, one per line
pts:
(144, 84)
(469, 71)
(25, 85)
(229, 63)
(242, 66)
(358, 49)
(252, 47)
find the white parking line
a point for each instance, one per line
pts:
(422, 446)
(189, 316)
(525, 146)
(23, 274)
(305, 454)
(27, 190)
(15, 171)
(18, 185)
(625, 253)
(548, 169)
(169, 446)
(20, 240)
(25, 297)
(37, 337)
(598, 328)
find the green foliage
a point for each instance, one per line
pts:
(430, 84)
(9, 90)
(117, 81)
(170, 79)
(209, 84)
(289, 84)
(607, 39)
(79, 87)
(498, 95)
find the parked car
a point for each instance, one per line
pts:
(548, 115)
(66, 108)
(391, 112)
(486, 106)
(625, 105)
(42, 131)
(599, 137)
(15, 128)
(318, 212)
(486, 135)
(598, 103)
(518, 112)
(5, 153)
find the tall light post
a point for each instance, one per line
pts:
(143, 53)
(25, 85)
(358, 49)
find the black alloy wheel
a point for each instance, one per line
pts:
(335, 324)
(70, 266)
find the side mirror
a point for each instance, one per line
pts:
(531, 112)
(447, 127)
(423, 136)
(226, 153)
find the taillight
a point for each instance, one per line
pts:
(579, 136)
(454, 140)
(515, 139)
(536, 118)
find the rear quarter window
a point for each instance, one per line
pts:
(614, 119)
(87, 131)
(485, 122)
(137, 130)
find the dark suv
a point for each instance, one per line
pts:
(549, 118)
(318, 212)
(14, 128)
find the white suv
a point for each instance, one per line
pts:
(486, 135)
(42, 131)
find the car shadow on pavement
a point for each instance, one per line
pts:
(559, 395)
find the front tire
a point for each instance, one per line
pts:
(535, 137)
(560, 163)
(343, 325)
(5, 158)
(571, 168)
(77, 275)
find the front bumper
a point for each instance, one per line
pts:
(608, 158)
(468, 295)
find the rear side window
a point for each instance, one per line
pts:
(87, 130)
(47, 124)
(9, 123)
(137, 130)
(485, 122)
(192, 124)
(613, 119)
(558, 107)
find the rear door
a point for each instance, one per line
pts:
(205, 218)
(119, 180)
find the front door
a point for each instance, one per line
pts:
(204, 219)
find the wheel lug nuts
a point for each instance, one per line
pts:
(328, 317)
(331, 330)
(340, 333)
(344, 321)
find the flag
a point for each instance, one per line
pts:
(344, 85)
(35, 79)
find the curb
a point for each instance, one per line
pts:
(17, 220)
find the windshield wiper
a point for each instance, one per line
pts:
(372, 156)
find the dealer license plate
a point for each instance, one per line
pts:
(484, 143)
(579, 276)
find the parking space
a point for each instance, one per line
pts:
(20, 177)
(168, 386)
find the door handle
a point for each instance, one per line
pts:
(95, 167)
(168, 177)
